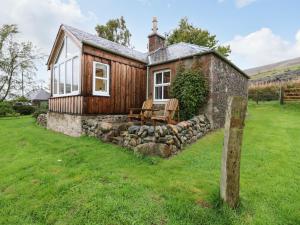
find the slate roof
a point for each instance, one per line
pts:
(161, 55)
(175, 51)
(105, 44)
(39, 95)
(172, 52)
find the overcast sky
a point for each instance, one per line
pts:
(258, 31)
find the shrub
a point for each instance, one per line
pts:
(264, 93)
(39, 111)
(190, 87)
(24, 109)
(6, 109)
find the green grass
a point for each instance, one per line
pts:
(50, 178)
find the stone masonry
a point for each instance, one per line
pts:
(162, 140)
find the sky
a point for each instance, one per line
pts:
(259, 31)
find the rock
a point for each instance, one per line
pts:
(42, 120)
(173, 128)
(133, 142)
(159, 131)
(149, 139)
(151, 131)
(133, 129)
(144, 134)
(107, 137)
(152, 149)
(104, 126)
(165, 130)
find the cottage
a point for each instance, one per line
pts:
(92, 77)
(39, 97)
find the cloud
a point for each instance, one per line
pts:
(39, 20)
(262, 47)
(243, 3)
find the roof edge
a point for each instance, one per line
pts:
(116, 53)
(201, 54)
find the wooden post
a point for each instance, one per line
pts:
(281, 94)
(230, 167)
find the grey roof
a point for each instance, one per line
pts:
(175, 51)
(171, 52)
(161, 55)
(39, 95)
(106, 44)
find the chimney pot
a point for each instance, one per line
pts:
(155, 40)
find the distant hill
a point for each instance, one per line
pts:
(284, 70)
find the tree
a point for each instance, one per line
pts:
(115, 30)
(17, 61)
(186, 32)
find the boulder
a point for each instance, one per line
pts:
(104, 126)
(133, 129)
(153, 149)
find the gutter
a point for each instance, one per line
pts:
(147, 83)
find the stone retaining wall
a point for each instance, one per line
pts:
(162, 140)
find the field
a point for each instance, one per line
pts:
(50, 178)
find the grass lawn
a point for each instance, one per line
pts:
(50, 178)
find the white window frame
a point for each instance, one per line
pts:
(163, 100)
(101, 93)
(58, 63)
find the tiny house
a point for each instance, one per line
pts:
(92, 77)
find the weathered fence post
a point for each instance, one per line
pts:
(281, 95)
(230, 167)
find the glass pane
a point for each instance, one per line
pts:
(158, 78)
(166, 77)
(55, 80)
(101, 85)
(101, 70)
(62, 54)
(68, 76)
(158, 92)
(62, 78)
(166, 92)
(72, 49)
(75, 82)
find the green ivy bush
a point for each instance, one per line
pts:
(190, 87)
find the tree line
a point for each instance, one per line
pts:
(117, 31)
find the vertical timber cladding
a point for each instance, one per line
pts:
(127, 83)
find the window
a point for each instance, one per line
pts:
(100, 79)
(66, 70)
(162, 85)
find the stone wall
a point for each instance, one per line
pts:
(42, 120)
(162, 140)
(73, 125)
(225, 81)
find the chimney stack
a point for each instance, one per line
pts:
(155, 40)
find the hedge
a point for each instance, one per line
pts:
(264, 93)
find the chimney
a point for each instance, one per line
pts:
(155, 40)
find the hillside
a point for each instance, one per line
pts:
(284, 70)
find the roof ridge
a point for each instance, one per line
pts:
(96, 36)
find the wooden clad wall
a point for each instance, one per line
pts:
(127, 83)
(68, 104)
